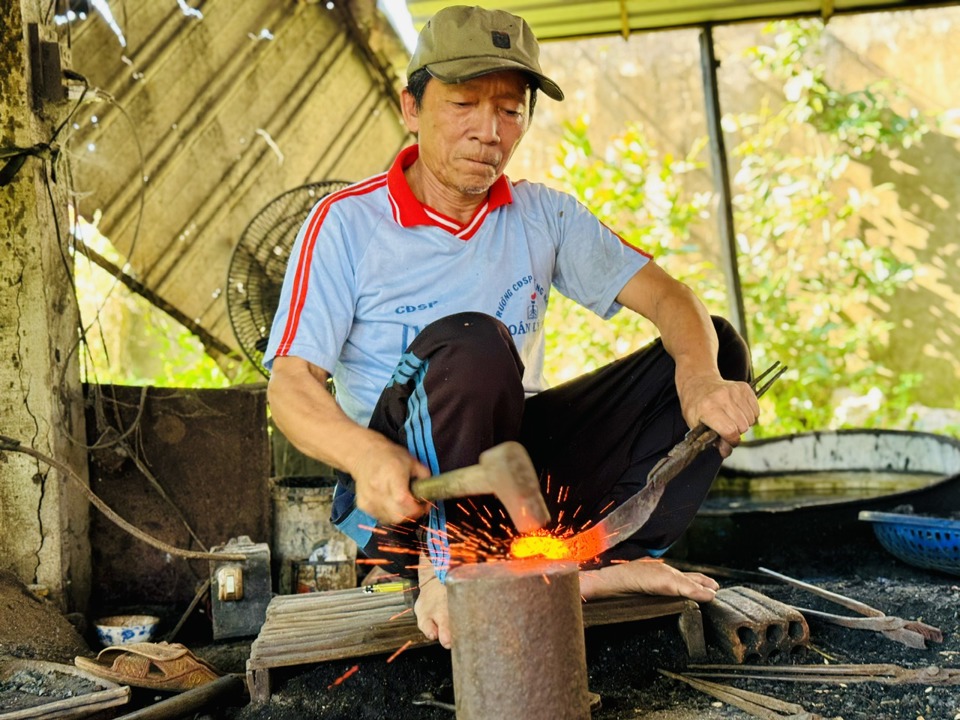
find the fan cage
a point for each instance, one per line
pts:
(259, 262)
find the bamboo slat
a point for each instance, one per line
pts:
(338, 624)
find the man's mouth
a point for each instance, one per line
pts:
(491, 162)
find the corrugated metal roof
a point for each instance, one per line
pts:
(219, 114)
(566, 19)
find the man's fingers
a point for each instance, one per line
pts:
(430, 608)
(704, 580)
(390, 505)
(444, 635)
(405, 505)
(428, 627)
(725, 448)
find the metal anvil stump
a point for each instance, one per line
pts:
(518, 645)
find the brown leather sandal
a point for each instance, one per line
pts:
(160, 666)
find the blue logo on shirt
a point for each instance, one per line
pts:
(407, 309)
(532, 311)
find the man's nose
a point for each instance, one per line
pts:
(487, 125)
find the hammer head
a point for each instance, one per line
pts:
(514, 481)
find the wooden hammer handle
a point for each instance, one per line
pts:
(470, 480)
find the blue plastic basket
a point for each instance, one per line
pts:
(926, 542)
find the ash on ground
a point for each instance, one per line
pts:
(27, 688)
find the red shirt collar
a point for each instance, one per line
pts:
(408, 211)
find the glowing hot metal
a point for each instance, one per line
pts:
(627, 519)
(546, 546)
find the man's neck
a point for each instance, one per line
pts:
(429, 191)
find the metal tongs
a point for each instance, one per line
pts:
(701, 437)
(885, 673)
(630, 516)
(911, 633)
(755, 704)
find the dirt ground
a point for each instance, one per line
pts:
(622, 660)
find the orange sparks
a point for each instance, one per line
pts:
(372, 561)
(403, 647)
(546, 579)
(546, 546)
(378, 531)
(400, 614)
(343, 677)
(607, 507)
(396, 549)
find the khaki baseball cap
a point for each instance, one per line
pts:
(460, 43)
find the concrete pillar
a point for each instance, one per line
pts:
(518, 647)
(43, 520)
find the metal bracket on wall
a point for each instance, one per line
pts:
(46, 82)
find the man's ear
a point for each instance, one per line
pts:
(411, 115)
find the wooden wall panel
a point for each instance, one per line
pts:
(225, 120)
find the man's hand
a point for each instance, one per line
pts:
(727, 407)
(646, 577)
(433, 617)
(382, 474)
(310, 418)
(688, 335)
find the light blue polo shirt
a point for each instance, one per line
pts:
(372, 266)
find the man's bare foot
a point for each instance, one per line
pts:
(433, 618)
(647, 577)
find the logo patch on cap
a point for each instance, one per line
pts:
(500, 40)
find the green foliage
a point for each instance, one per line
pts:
(129, 341)
(860, 121)
(809, 277)
(641, 195)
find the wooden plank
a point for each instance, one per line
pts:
(691, 630)
(316, 627)
(258, 685)
(630, 608)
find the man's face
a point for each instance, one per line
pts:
(468, 131)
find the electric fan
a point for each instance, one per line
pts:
(259, 261)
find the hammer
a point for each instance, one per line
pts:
(505, 470)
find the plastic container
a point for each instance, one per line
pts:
(927, 542)
(302, 530)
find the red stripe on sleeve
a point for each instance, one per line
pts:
(298, 295)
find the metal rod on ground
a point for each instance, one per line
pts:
(189, 701)
(201, 591)
(518, 647)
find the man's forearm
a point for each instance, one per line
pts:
(683, 322)
(310, 418)
(689, 335)
(308, 415)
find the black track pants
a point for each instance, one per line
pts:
(593, 440)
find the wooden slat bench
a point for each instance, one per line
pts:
(337, 624)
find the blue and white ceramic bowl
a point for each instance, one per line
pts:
(123, 629)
